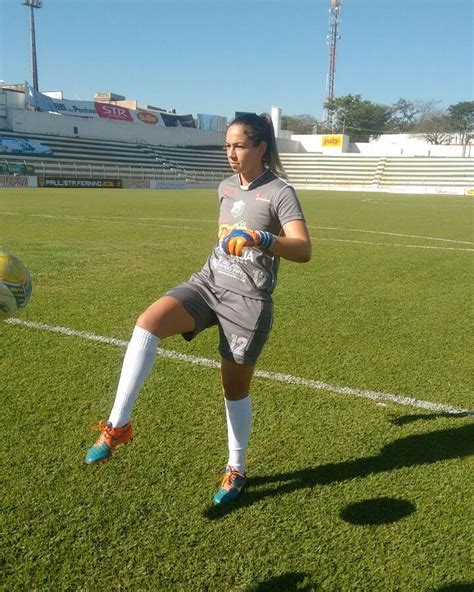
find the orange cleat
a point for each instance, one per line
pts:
(109, 439)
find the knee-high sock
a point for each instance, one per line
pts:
(137, 363)
(239, 425)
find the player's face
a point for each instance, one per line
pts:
(244, 158)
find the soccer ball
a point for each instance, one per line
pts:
(15, 285)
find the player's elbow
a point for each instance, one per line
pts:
(306, 252)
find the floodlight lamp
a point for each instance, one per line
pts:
(33, 3)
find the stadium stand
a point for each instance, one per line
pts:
(314, 169)
(92, 157)
(423, 170)
(95, 158)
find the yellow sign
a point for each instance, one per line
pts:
(470, 191)
(331, 141)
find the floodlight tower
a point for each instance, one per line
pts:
(333, 37)
(32, 4)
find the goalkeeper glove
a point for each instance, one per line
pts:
(236, 240)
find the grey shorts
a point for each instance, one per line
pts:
(244, 323)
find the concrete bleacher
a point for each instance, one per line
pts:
(193, 159)
(427, 171)
(378, 171)
(82, 157)
(314, 169)
(86, 157)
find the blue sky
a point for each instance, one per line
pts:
(219, 56)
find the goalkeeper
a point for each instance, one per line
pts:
(260, 220)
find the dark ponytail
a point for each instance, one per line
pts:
(259, 128)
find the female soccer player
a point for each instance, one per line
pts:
(260, 220)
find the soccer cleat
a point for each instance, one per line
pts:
(109, 439)
(232, 484)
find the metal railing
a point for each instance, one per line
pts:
(77, 170)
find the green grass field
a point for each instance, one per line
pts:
(345, 493)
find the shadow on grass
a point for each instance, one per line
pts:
(411, 451)
(289, 582)
(455, 587)
(381, 510)
(400, 421)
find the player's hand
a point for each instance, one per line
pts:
(237, 240)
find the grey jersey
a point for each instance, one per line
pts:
(268, 203)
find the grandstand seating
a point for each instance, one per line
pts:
(81, 157)
(96, 158)
(427, 171)
(315, 169)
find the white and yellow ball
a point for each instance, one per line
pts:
(15, 285)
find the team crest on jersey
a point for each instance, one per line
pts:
(238, 208)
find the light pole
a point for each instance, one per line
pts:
(32, 4)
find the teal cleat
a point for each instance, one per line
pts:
(109, 439)
(232, 484)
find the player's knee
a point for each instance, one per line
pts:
(234, 388)
(149, 322)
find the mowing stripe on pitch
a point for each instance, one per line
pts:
(376, 244)
(364, 231)
(285, 378)
(132, 221)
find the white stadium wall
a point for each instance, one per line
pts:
(408, 145)
(384, 145)
(331, 144)
(288, 145)
(21, 120)
(15, 118)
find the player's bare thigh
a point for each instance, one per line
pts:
(166, 317)
(236, 379)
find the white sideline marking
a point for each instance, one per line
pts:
(286, 378)
(84, 219)
(343, 240)
(406, 203)
(447, 240)
(317, 238)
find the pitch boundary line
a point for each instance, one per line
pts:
(84, 219)
(447, 240)
(411, 203)
(343, 240)
(125, 220)
(317, 238)
(377, 396)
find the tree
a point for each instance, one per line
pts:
(407, 114)
(462, 120)
(404, 114)
(436, 128)
(360, 118)
(299, 124)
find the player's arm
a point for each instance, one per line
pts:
(295, 245)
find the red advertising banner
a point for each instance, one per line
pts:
(113, 112)
(12, 181)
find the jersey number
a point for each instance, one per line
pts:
(238, 344)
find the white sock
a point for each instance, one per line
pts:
(239, 424)
(137, 363)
